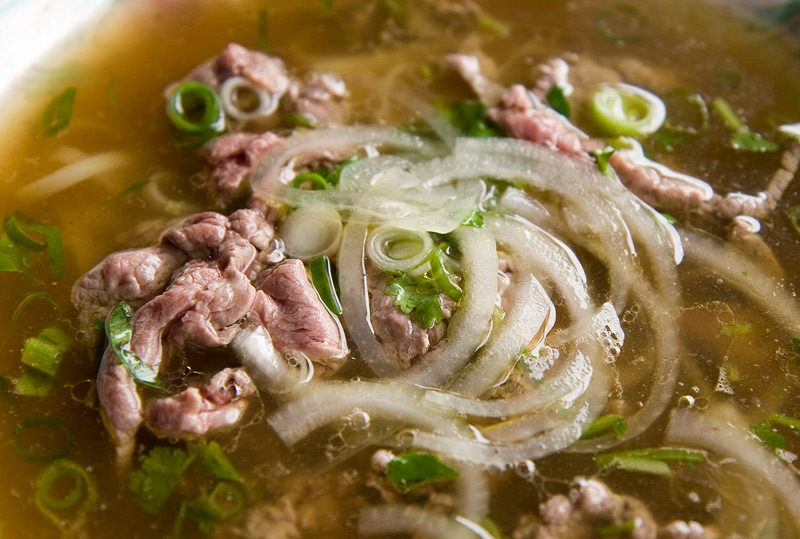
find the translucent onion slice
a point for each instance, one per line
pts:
(393, 248)
(392, 519)
(329, 402)
(265, 365)
(266, 103)
(74, 173)
(721, 432)
(311, 231)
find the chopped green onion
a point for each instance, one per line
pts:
(58, 113)
(746, 140)
(411, 470)
(12, 259)
(34, 383)
(785, 420)
(50, 482)
(625, 110)
(768, 435)
(670, 219)
(333, 176)
(314, 181)
(728, 115)
(263, 29)
(687, 113)
(558, 100)
(195, 109)
(736, 330)
(118, 332)
(42, 355)
(652, 460)
(299, 119)
(322, 278)
(618, 529)
(604, 423)
(135, 186)
(493, 25)
(30, 298)
(41, 438)
(624, 23)
(224, 501)
(19, 228)
(443, 278)
(601, 156)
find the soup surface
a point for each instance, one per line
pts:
(521, 336)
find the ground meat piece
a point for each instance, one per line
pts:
(400, 336)
(295, 317)
(232, 157)
(195, 412)
(135, 276)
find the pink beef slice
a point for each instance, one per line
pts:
(296, 319)
(195, 412)
(268, 72)
(135, 275)
(232, 157)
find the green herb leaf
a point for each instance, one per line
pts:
(322, 279)
(58, 113)
(410, 470)
(12, 257)
(558, 100)
(619, 529)
(475, 219)
(650, 460)
(421, 300)
(601, 156)
(214, 462)
(768, 435)
(747, 141)
(604, 423)
(157, 476)
(470, 119)
(118, 332)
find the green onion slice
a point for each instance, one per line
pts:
(651, 460)
(42, 355)
(118, 332)
(626, 110)
(322, 278)
(225, 501)
(20, 228)
(41, 438)
(30, 298)
(604, 423)
(195, 109)
(49, 500)
(313, 180)
(443, 279)
(624, 23)
(58, 113)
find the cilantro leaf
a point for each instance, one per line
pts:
(214, 463)
(746, 140)
(421, 300)
(157, 476)
(768, 435)
(470, 119)
(558, 100)
(411, 470)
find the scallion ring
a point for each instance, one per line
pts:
(687, 112)
(82, 488)
(624, 23)
(311, 231)
(195, 109)
(442, 277)
(312, 179)
(626, 110)
(243, 100)
(225, 501)
(47, 428)
(398, 249)
(322, 278)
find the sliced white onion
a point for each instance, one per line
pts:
(267, 103)
(265, 365)
(311, 231)
(392, 248)
(413, 520)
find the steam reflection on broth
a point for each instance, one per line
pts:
(505, 305)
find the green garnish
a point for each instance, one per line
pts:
(12, 257)
(622, 110)
(51, 498)
(470, 119)
(41, 438)
(558, 100)
(618, 529)
(322, 279)
(213, 461)
(736, 330)
(196, 114)
(793, 214)
(334, 175)
(411, 470)
(23, 231)
(604, 423)
(299, 119)
(796, 346)
(30, 298)
(223, 503)
(157, 476)
(743, 138)
(687, 113)
(651, 460)
(624, 23)
(474, 220)
(33, 383)
(420, 299)
(326, 5)
(493, 25)
(443, 278)
(135, 186)
(263, 29)
(670, 219)
(118, 333)
(768, 435)
(312, 180)
(42, 357)
(58, 112)
(785, 420)
(601, 157)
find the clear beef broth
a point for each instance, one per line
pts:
(388, 54)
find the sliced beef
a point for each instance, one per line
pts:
(321, 96)
(122, 409)
(469, 67)
(135, 276)
(195, 412)
(232, 157)
(550, 74)
(400, 337)
(268, 72)
(295, 317)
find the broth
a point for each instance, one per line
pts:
(730, 352)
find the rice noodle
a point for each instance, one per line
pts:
(411, 519)
(74, 173)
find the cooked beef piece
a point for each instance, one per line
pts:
(195, 412)
(399, 335)
(552, 73)
(469, 67)
(232, 157)
(135, 276)
(122, 409)
(679, 529)
(295, 317)
(320, 96)
(266, 71)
